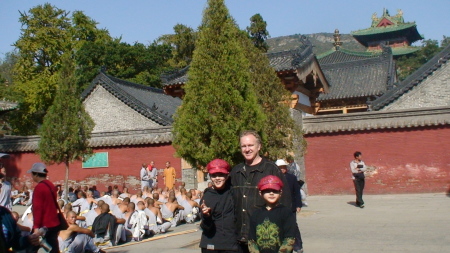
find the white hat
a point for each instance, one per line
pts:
(281, 162)
(38, 168)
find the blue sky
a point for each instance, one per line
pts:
(146, 20)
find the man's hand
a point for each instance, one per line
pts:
(298, 209)
(33, 239)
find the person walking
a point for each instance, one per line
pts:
(358, 167)
(244, 180)
(45, 211)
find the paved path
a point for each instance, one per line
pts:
(388, 223)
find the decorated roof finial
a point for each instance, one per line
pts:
(337, 39)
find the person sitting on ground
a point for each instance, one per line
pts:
(95, 193)
(125, 193)
(138, 222)
(115, 200)
(75, 238)
(155, 223)
(92, 214)
(26, 230)
(190, 208)
(109, 191)
(157, 198)
(119, 213)
(81, 205)
(10, 235)
(104, 227)
(138, 197)
(171, 211)
(181, 195)
(90, 199)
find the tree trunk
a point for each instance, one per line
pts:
(66, 182)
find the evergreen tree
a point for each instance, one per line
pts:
(279, 130)
(67, 126)
(220, 101)
(258, 32)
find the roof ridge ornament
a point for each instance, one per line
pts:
(337, 40)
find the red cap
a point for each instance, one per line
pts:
(218, 166)
(270, 182)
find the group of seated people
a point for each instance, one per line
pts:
(22, 197)
(118, 218)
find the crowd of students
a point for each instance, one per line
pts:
(104, 219)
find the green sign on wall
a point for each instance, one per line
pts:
(97, 160)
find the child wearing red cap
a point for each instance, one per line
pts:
(272, 227)
(217, 211)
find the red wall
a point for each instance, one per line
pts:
(401, 161)
(124, 167)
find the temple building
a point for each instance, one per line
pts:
(355, 78)
(298, 70)
(391, 31)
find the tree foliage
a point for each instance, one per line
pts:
(136, 63)
(220, 101)
(47, 33)
(67, 126)
(182, 43)
(258, 32)
(279, 130)
(406, 65)
(6, 76)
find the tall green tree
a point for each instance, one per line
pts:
(47, 33)
(67, 126)
(279, 130)
(220, 101)
(182, 43)
(136, 63)
(6, 76)
(258, 32)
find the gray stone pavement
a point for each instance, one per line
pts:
(388, 223)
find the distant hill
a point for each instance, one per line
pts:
(322, 42)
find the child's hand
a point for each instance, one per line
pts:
(206, 211)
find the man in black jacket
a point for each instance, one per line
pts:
(244, 180)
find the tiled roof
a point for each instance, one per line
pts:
(345, 55)
(384, 29)
(161, 135)
(397, 51)
(363, 121)
(413, 80)
(353, 75)
(292, 59)
(408, 30)
(175, 77)
(280, 61)
(148, 101)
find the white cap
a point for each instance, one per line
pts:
(281, 162)
(38, 168)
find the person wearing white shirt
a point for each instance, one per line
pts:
(358, 167)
